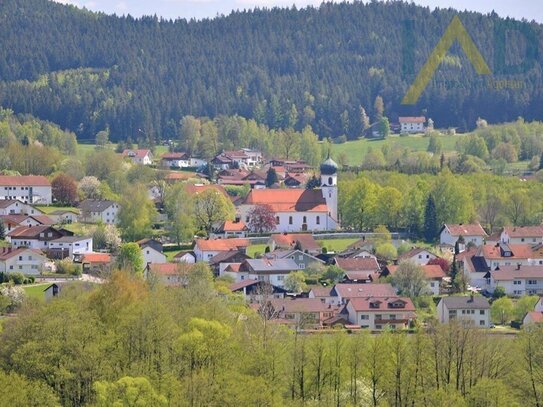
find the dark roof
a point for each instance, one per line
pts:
(95, 205)
(329, 167)
(458, 302)
(269, 266)
(226, 257)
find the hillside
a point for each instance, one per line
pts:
(282, 67)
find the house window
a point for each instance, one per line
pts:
(482, 322)
(318, 220)
(305, 219)
(482, 312)
(290, 220)
(330, 181)
(364, 317)
(277, 220)
(532, 282)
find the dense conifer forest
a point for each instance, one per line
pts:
(282, 67)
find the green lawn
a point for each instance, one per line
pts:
(336, 245)
(36, 290)
(356, 150)
(256, 248)
(79, 229)
(49, 209)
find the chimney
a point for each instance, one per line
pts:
(470, 298)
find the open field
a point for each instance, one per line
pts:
(356, 150)
(336, 245)
(49, 209)
(36, 290)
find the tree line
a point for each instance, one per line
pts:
(128, 342)
(323, 66)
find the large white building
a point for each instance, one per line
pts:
(298, 210)
(471, 310)
(22, 260)
(412, 125)
(99, 211)
(30, 189)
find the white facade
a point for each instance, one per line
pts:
(478, 317)
(28, 194)
(19, 208)
(64, 217)
(288, 222)
(433, 287)
(422, 258)
(197, 162)
(378, 319)
(25, 261)
(72, 245)
(151, 255)
(276, 279)
(446, 238)
(412, 127)
(527, 239)
(108, 216)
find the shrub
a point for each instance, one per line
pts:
(17, 278)
(67, 266)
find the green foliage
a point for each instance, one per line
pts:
(130, 257)
(137, 213)
(502, 310)
(211, 207)
(386, 251)
(295, 282)
(524, 305)
(409, 279)
(333, 274)
(68, 267)
(128, 391)
(20, 391)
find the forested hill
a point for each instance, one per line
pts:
(86, 71)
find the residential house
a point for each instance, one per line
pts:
(219, 262)
(359, 270)
(141, 157)
(532, 318)
(205, 249)
(296, 180)
(377, 313)
(230, 229)
(22, 260)
(299, 210)
(302, 259)
(152, 251)
(64, 216)
(68, 246)
(503, 254)
(434, 276)
(99, 211)
(473, 310)
(517, 280)
(294, 241)
(325, 294)
(270, 271)
(175, 160)
(96, 263)
(16, 207)
(412, 125)
(169, 274)
(30, 189)
(474, 233)
(418, 256)
(232, 270)
(254, 157)
(522, 234)
(255, 291)
(185, 256)
(14, 221)
(301, 313)
(344, 292)
(35, 237)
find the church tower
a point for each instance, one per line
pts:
(329, 186)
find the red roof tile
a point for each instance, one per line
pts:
(289, 240)
(96, 258)
(474, 229)
(418, 119)
(24, 180)
(136, 153)
(364, 290)
(288, 200)
(519, 251)
(536, 317)
(363, 304)
(8, 252)
(173, 156)
(357, 264)
(217, 245)
(524, 231)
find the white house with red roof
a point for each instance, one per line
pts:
(522, 234)
(412, 125)
(30, 189)
(205, 249)
(298, 210)
(474, 233)
(142, 157)
(22, 260)
(175, 160)
(377, 313)
(517, 280)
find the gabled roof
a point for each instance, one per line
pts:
(5, 203)
(269, 266)
(24, 181)
(364, 290)
(358, 264)
(227, 256)
(535, 316)
(7, 253)
(283, 254)
(70, 239)
(413, 252)
(320, 292)
(519, 251)
(524, 231)
(231, 226)
(218, 245)
(289, 200)
(472, 302)
(174, 156)
(289, 240)
(136, 153)
(183, 253)
(169, 268)
(474, 229)
(509, 273)
(32, 232)
(233, 267)
(379, 304)
(95, 205)
(417, 119)
(96, 258)
(302, 305)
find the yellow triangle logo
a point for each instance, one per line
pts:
(455, 31)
